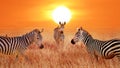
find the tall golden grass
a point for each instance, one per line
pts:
(54, 56)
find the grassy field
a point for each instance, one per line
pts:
(53, 56)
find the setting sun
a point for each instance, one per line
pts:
(61, 14)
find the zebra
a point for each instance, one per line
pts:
(97, 48)
(11, 45)
(59, 33)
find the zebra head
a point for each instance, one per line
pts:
(79, 36)
(38, 38)
(61, 29)
(62, 25)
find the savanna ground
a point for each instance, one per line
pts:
(54, 56)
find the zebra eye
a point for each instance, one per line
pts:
(37, 38)
(39, 32)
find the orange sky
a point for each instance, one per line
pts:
(17, 16)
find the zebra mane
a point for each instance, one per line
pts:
(88, 34)
(29, 33)
(56, 28)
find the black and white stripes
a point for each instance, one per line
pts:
(105, 49)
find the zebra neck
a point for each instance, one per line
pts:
(88, 39)
(27, 40)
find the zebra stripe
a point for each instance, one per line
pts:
(106, 49)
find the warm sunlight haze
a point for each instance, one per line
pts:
(54, 28)
(61, 14)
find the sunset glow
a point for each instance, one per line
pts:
(19, 16)
(62, 14)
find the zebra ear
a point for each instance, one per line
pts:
(59, 22)
(78, 29)
(64, 23)
(42, 30)
(81, 28)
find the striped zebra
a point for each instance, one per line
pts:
(59, 33)
(97, 48)
(11, 45)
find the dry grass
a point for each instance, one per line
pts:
(53, 56)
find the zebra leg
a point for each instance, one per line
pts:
(96, 57)
(63, 42)
(22, 53)
(93, 57)
(57, 42)
(90, 55)
(17, 56)
(118, 57)
(16, 59)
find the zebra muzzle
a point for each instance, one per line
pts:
(61, 32)
(72, 41)
(42, 46)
